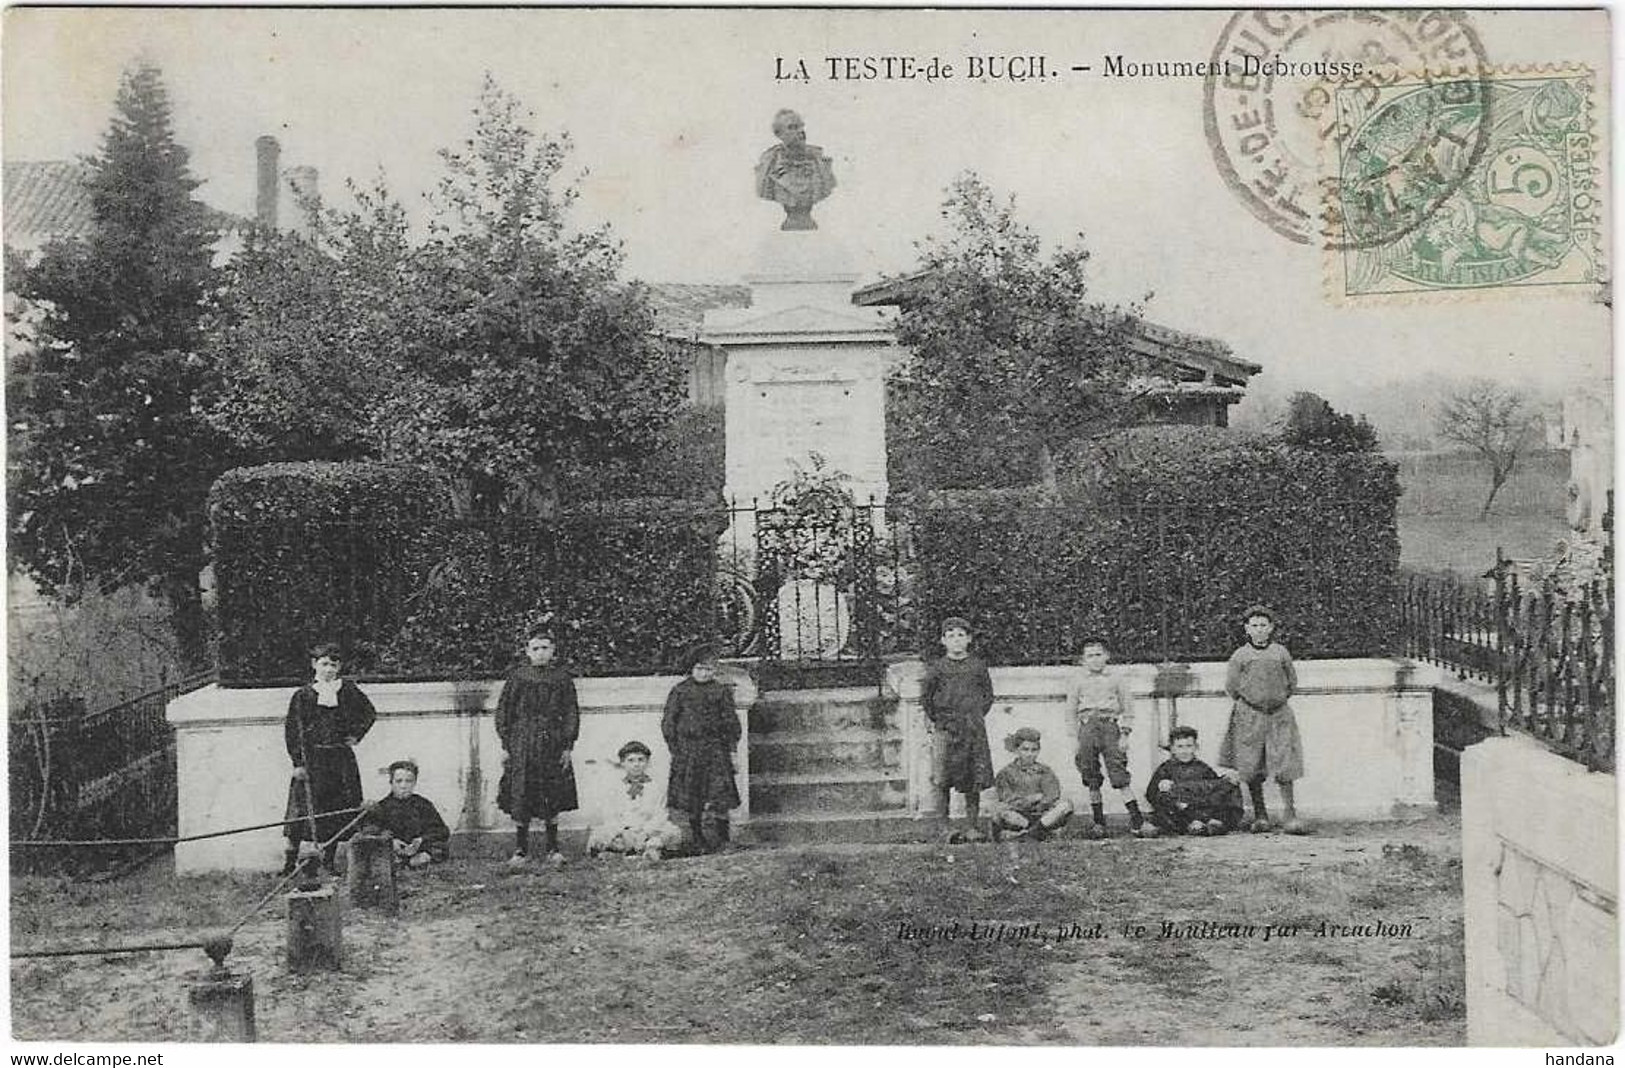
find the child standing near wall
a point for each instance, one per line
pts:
(538, 722)
(1262, 739)
(326, 718)
(957, 692)
(1100, 710)
(701, 729)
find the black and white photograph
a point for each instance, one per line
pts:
(863, 527)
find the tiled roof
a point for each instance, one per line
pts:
(680, 307)
(45, 200)
(48, 199)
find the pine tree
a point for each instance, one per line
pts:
(110, 458)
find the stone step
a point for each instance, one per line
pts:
(802, 828)
(827, 793)
(844, 709)
(820, 751)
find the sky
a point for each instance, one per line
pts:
(668, 111)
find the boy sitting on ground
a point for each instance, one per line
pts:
(637, 824)
(419, 835)
(1187, 796)
(1029, 795)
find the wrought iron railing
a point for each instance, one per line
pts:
(108, 773)
(1547, 651)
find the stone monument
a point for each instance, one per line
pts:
(805, 376)
(806, 368)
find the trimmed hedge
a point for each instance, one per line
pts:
(1158, 540)
(625, 587)
(686, 462)
(369, 556)
(307, 552)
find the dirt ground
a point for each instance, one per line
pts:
(803, 945)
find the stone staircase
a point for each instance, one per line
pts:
(827, 765)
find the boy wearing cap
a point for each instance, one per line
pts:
(701, 730)
(1262, 740)
(637, 823)
(1100, 711)
(1030, 802)
(957, 692)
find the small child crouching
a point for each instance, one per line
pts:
(412, 822)
(1029, 795)
(637, 824)
(1187, 796)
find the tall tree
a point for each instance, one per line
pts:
(1007, 348)
(502, 347)
(1493, 420)
(110, 457)
(308, 334)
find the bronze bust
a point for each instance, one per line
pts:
(794, 173)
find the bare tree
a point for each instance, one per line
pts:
(1495, 421)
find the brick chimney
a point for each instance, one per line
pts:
(268, 157)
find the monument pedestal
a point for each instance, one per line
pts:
(806, 371)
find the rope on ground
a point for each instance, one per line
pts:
(66, 843)
(217, 946)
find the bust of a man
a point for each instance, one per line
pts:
(794, 173)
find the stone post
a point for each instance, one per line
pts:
(371, 875)
(314, 930)
(222, 1005)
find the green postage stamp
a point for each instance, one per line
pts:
(1481, 182)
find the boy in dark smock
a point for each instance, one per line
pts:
(538, 722)
(1187, 796)
(326, 718)
(701, 729)
(417, 834)
(1262, 741)
(957, 692)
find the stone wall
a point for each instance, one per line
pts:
(234, 767)
(1540, 883)
(1366, 724)
(1367, 730)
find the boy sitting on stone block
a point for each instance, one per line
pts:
(1187, 796)
(1029, 795)
(420, 837)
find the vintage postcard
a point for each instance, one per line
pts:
(810, 526)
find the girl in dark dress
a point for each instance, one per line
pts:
(537, 721)
(701, 730)
(326, 718)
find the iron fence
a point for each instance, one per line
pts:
(107, 773)
(1548, 652)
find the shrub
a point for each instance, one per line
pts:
(369, 556)
(305, 552)
(686, 462)
(624, 586)
(1159, 540)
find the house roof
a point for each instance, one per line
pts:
(1191, 352)
(43, 200)
(47, 199)
(680, 307)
